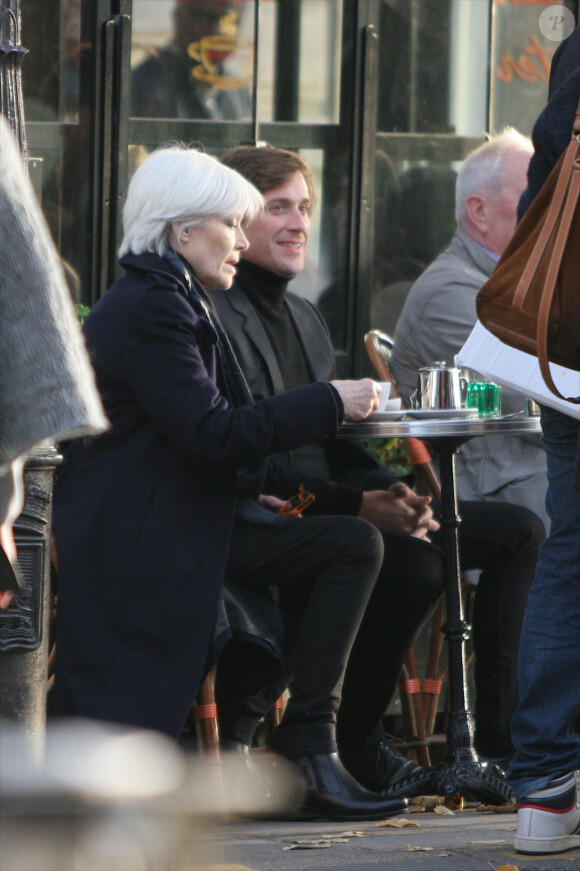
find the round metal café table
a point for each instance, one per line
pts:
(461, 771)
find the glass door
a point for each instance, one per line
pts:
(384, 98)
(218, 73)
(106, 81)
(450, 72)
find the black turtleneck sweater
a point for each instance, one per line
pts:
(267, 292)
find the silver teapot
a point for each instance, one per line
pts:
(440, 386)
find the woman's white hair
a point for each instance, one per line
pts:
(483, 171)
(177, 184)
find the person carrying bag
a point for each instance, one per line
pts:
(531, 300)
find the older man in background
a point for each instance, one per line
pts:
(439, 313)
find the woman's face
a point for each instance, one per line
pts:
(213, 249)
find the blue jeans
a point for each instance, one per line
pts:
(546, 724)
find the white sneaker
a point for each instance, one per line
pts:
(549, 819)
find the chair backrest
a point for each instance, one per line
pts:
(379, 347)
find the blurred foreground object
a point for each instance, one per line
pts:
(112, 798)
(47, 392)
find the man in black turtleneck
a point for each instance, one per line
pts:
(281, 341)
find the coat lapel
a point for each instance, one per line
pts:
(254, 331)
(309, 333)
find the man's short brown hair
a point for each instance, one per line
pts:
(267, 167)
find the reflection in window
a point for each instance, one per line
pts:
(414, 66)
(320, 58)
(51, 70)
(520, 62)
(194, 59)
(300, 58)
(57, 130)
(414, 222)
(312, 280)
(191, 59)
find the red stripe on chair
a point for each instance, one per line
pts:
(204, 712)
(410, 686)
(432, 686)
(418, 453)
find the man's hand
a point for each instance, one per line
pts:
(399, 509)
(272, 503)
(359, 398)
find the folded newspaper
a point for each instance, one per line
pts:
(511, 368)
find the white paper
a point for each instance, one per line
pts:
(512, 368)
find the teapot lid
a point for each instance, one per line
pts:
(437, 364)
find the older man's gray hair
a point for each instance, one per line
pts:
(483, 171)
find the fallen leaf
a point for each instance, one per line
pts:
(441, 809)
(325, 841)
(414, 849)
(509, 807)
(396, 823)
(428, 801)
(308, 845)
(509, 828)
(454, 802)
(507, 868)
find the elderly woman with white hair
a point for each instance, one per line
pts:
(144, 515)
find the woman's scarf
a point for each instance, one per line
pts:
(249, 478)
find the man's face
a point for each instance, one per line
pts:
(277, 241)
(502, 214)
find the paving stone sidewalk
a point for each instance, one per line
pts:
(468, 840)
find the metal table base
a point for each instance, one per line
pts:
(461, 771)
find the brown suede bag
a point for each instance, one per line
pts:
(532, 298)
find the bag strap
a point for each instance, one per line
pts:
(556, 204)
(552, 274)
(565, 197)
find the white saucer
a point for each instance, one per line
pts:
(438, 413)
(385, 415)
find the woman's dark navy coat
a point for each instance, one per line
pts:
(143, 515)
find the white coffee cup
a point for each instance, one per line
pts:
(384, 395)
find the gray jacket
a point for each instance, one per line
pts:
(438, 315)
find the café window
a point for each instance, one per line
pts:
(384, 117)
(451, 71)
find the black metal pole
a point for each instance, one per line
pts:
(455, 629)
(24, 625)
(461, 772)
(11, 56)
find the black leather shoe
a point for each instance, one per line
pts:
(383, 769)
(332, 794)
